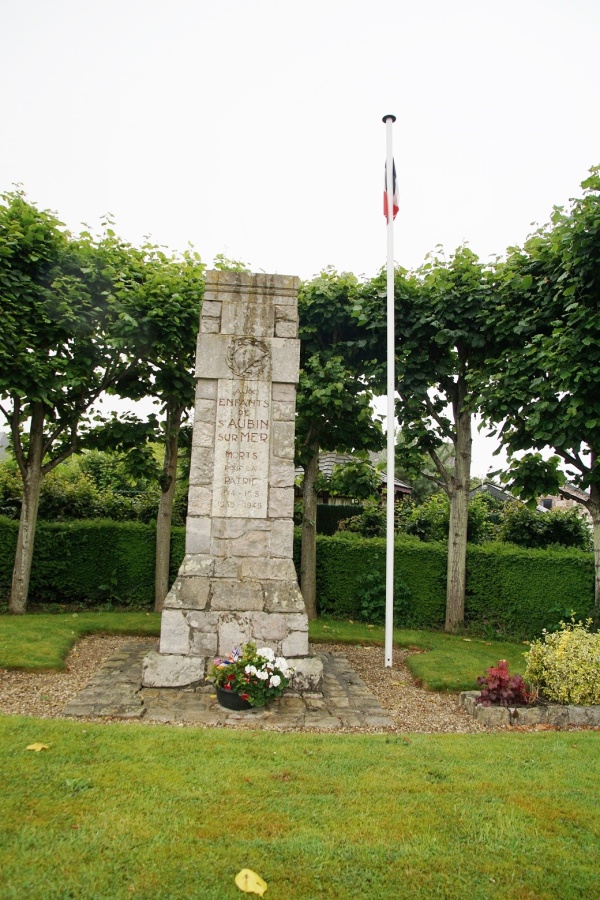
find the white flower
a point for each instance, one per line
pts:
(267, 653)
(250, 670)
(275, 681)
(262, 675)
(281, 663)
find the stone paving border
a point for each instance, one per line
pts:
(544, 714)
(116, 692)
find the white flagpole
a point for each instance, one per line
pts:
(391, 388)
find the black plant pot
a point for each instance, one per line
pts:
(231, 700)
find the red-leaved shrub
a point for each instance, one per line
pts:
(499, 688)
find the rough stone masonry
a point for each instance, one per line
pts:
(237, 581)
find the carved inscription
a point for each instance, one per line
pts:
(242, 442)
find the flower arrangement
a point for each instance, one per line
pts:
(257, 676)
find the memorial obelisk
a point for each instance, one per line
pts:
(237, 582)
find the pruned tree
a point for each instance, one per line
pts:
(334, 409)
(60, 349)
(163, 295)
(441, 336)
(545, 389)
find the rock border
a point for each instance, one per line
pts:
(542, 714)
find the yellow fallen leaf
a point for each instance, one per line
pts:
(468, 640)
(249, 882)
(37, 747)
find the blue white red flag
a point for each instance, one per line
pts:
(394, 193)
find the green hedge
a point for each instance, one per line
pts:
(521, 591)
(344, 560)
(89, 562)
(509, 590)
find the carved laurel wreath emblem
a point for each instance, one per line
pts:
(247, 357)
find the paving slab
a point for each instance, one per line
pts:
(116, 692)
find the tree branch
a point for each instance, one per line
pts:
(16, 437)
(441, 469)
(447, 432)
(573, 460)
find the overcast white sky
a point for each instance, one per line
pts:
(253, 127)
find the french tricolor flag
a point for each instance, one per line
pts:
(394, 193)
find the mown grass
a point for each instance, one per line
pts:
(37, 642)
(114, 811)
(450, 663)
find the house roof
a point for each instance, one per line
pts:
(488, 487)
(327, 462)
(398, 485)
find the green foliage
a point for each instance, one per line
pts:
(371, 599)
(90, 486)
(334, 395)
(357, 479)
(565, 528)
(345, 560)
(90, 563)
(544, 385)
(430, 520)
(564, 666)
(510, 591)
(520, 592)
(369, 522)
(489, 520)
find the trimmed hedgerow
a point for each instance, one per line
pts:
(89, 562)
(510, 590)
(345, 561)
(521, 592)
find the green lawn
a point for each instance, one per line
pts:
(115, 811)
(130, 810)
(452, 662)
(36, 642)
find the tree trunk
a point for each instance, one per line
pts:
(165, 508)
(308, 559)
(32, 482)
(459, 520)
(594, 507)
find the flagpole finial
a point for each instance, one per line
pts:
(389, 116)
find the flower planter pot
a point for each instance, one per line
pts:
(231, 700)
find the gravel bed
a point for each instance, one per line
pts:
(45, 694)
(412, 709)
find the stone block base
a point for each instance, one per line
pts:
(307, 676)
(173, 671)
(170, 670)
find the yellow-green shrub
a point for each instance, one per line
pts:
(565, 665)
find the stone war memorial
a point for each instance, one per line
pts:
(237, 582)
